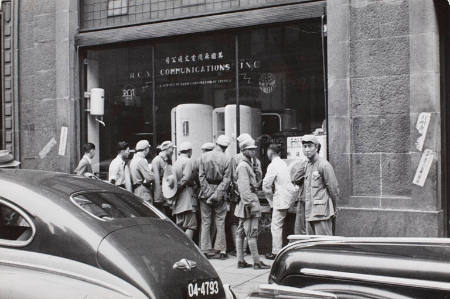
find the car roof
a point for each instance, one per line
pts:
(56, 183)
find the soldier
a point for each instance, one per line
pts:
(233, 221)
(248, 209)
(185, 206)
(159, 163)
(280, 193)
(214, 176)
(116, 171)
(141, 175)
(321, 190)
(85, 165)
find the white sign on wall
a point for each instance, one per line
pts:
(424, 168)
(422, 127)
(62, 141)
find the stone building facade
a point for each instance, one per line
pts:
(383, 68)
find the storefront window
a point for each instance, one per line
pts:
(284, 80)
(125, 74)
(281, 89)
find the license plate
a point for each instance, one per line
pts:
(203, 288)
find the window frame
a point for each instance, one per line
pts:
(73, 195)
(24, 215)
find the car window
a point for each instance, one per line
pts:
(110, 205)
(16, 228)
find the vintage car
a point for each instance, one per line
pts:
(31, 275)
(98, 224)
(338, 267)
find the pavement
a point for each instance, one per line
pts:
(242, 281)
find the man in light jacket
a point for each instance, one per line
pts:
(280, 192)
(141, 175)
(321, 190)
(185, 206)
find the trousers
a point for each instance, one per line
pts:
(207, 213)
(300, 223)
(276, 228)
(248, 227)
(321, 227)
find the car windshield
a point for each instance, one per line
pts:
(110, 205)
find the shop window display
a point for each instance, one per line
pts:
(281, 88)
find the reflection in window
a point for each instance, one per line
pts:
(14, 226)
(109, 206)
(117, 7)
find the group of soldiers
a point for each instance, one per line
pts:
(225, 191)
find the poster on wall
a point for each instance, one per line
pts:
(424, 168)
(294, 148)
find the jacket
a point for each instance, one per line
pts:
(321, 190)
(256, 165)
(140, 171)
(247, 184)
(84, 166)
(277, 186)
(297, 172)
(159, 163)
(214, 174)
(185, 200)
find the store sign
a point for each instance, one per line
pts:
(199, 64)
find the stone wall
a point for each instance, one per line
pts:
(383, 70)
(47, 97)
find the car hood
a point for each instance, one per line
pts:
(145, 254)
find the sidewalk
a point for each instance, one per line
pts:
(242, 281)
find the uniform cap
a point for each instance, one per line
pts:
(142, 145)
(185, 146)
(244, 136)
(207, 146)
(247, 144)
(223, 140)
(311, 139)
(166, 145)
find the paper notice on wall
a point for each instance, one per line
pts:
(422, 127)
(47, 148)
(424, 168)
(62, 141)
(294, 147)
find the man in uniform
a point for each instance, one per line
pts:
(141, 175)
(185, 205)
(248, 209)
(159, 163)
(280, 193)
(116, 173)
(214, 176)
(233, 221)
(321, 190)
(85, 165)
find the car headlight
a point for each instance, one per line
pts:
(229, 294)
